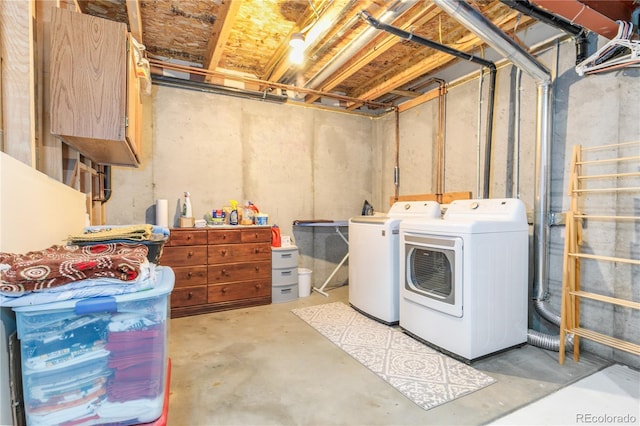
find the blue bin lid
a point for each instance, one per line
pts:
(165, 279)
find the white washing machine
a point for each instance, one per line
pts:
(464, 278)
(373, 258)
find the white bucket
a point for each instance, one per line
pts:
(261, 218)
(304, 282)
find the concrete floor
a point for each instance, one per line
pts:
(265, 366)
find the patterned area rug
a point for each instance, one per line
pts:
(425, 376)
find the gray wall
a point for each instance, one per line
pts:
(303, 163)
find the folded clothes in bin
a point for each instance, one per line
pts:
(96, 360)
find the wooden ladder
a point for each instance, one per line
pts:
(571, 292)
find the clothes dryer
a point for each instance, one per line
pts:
(464, 279)
(373, 258)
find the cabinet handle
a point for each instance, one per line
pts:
(189, 274)
(286, 255)
(188, 237)
(223, 290)
(224, 236)
(286, 272)
(257, 269)
(223, 252)
(255, 235)
(258, 286)
(256, 250)
(190, 254)
(225, 273)
(190, 295)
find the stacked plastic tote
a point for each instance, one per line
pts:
(92, 360)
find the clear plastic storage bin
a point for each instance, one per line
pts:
(99, 360)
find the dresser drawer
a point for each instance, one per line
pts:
(230, 253)
(256, 235)
(238, 272)
(284, 257)
(184, 255)
(187, 237)
(286, 276)
(238, 290)
(223, 236)
(190, 275)
(189, 296)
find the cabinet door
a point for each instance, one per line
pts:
(88, 85)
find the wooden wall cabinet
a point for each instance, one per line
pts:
(218, 269)
(95, 102)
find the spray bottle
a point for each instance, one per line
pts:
(186, 206)
(233, 216)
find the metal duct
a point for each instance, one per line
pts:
(494, 37)
(395, 10)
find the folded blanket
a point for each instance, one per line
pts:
(132, 232)
(59, 265)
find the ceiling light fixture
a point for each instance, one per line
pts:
(296, 56)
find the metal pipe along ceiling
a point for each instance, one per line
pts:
(458, 54)
(494, 37)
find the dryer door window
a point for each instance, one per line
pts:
(434, 272)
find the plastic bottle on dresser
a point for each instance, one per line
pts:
(233, 216)
(186, 205)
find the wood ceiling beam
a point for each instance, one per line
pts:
(380, 44)
(222, 26)
(432, 62)
(405, 93)
(135, 20)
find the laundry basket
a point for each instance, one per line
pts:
(304, 282)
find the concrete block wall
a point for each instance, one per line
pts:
(304, 163)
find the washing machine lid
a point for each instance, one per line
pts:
(371, 220)
(461, 226)
(401, 210)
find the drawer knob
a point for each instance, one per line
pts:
(255, 235)
(256, 250)
(258, 286)
(190, 254)
(223, 252)
(257, 269)
(224, 290)
(189, 274)
(189, 237)
(225, 273)
(190, 295)
(224, 236)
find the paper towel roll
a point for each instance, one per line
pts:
(162, 213)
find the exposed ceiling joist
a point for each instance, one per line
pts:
(222, 26)
(250, 38)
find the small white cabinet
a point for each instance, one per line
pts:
(284, 274)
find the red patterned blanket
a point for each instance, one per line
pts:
(59, 265)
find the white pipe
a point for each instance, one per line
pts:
(398, 7)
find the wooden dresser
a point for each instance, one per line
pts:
(218, 269)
